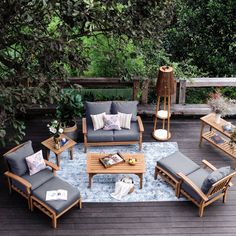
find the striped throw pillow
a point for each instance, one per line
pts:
(125, 120)
(97, 120)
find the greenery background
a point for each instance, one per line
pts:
(42, 43)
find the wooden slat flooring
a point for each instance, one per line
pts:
(116, 219)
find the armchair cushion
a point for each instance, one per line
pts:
(197, 178)
(54, 184)
(99, 135)
(16, 159)
(36, 180)
(125, 107)
(94, 108)
(127, 134)
(214, 177)
(178, 162)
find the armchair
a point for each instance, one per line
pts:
(34, 187)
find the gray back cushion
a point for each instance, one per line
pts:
(128, 107)
(16, 159)
(94, 108)
(214, 177)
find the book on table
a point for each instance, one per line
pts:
(112, 159)
(59, 194)
(216, 138)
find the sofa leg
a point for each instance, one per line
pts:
(85, 148)
(140, 146)
(156, 173)
(54, 222)
(80, 203)
(225, 196)
(201, 210)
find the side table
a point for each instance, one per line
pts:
(49, 144)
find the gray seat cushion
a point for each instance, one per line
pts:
(99, 135)
(214, 177)
(36, 180)
(94, 108)
(54, 184)
(131, 134)
(177, 162)
(198, 178)
(16, 159)
(128, 107)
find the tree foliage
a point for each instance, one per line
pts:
(204, 31)
(41, 41)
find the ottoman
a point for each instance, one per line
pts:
(55, 208)
(169, 166)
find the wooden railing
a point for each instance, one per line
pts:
(179, 105)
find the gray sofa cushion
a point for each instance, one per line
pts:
(94, 108)
(99, 135)
(36, 180)
(54, 184)
(16, 159)
(127, 135)
(214, 177)
(128, 107)
(198, 178)
(177, 162)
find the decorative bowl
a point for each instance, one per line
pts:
(132, 161)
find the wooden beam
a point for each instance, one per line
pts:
(211, 82)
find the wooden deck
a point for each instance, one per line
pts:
(154, 218)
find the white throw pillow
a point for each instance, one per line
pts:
(125, 120)
(35, 162)
(98, 122)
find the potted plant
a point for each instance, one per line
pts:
(55, 130)
(220, 105)
(69, 109)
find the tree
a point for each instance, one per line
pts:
(204, 31)
(41, 41)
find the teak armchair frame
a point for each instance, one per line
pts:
(90, 144)
(11, 176)
(218, 189)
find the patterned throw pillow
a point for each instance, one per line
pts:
(111, 122)
(125, 120)
(35, 162)
(97, 120)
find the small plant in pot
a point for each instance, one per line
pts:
(220, 105)
(69, 109)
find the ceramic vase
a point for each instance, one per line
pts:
(217, 118)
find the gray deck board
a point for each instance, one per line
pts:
(116, 219)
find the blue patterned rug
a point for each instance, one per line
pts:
(74, 171)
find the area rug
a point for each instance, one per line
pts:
(74, 172)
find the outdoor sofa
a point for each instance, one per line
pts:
(112, 137)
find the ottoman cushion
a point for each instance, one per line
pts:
(178, 162)
(54, 184)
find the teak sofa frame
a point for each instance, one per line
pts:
(90, 144)
(218, 189)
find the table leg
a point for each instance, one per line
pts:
(71, 153)
(90, 180)
(58, 159)
(201, 133)
(47, 154)
(141, 180)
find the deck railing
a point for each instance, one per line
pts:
(178, 100)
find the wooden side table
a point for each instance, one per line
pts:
(209, 120)
(49, 144)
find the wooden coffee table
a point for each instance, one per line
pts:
(49, 144)
(95, 167)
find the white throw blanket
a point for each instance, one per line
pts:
(122, 188)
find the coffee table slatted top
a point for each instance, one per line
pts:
(96, 167)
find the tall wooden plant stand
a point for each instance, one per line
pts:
(165, 87)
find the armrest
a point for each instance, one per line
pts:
(18, 179)
(84, 126)
(50, 164)
(193, 186)
(140, 124)
(209, 165)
